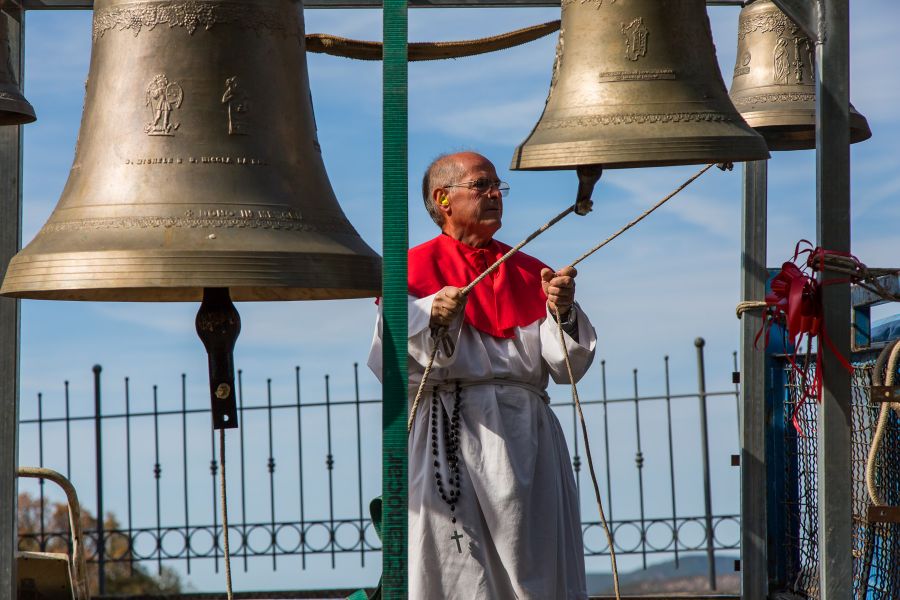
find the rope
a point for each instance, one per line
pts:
(884, 414)
(587, 451)
(438, 334)
(575, 398)
(863, 276)
(324, 43)
(415, 406)
(643, 215)
(749, 305)
(223, 495)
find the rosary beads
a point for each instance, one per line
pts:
(450, 428)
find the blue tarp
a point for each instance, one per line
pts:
(885, 330)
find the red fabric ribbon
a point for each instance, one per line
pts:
(512, 296)
(795, 303)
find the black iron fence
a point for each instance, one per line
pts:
(302, 470)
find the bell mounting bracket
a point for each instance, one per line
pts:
(588, 176)
(218, 325)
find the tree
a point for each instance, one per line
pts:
(124, 575)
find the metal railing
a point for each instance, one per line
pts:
(286, 478)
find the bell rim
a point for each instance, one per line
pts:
(194, 294)
(555, 156)
(16, 112)
(795, 129)
(155, 277)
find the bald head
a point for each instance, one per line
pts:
(443, 170)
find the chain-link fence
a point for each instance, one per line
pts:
(876, 546)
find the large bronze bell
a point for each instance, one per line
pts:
(636, 84)
(14, 108)
(197, 167)
(774, 84)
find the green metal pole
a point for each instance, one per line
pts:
(396, 241)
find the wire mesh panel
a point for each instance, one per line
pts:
(876, 546)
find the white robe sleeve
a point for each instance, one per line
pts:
(374, 361)
(581, 353)
(419, 343)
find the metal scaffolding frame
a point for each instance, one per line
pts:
(827, 24)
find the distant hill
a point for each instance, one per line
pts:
(691, 576)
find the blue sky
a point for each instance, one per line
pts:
(649, 294)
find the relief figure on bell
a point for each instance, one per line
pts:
(636, 34)
(162, 98)
(782, 61)
(237, 106)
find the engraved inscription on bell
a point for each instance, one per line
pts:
(163, 97)
(598, 4)
(237, 106)
(636, 35)
(647, 75)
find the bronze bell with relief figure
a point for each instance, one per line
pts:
(197, 167)
(636, 84)
(774, 84)
(14, 108)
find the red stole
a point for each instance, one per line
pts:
(510, 297)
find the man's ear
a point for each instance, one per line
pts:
(440, 198)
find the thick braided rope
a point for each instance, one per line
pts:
(749, 305)
(878, 436)
(419, 51)
(222, 488)
(860, 274)
(643, 215)
(465, 292)
(587, 450)
(428, 367)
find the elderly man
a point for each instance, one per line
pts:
(493, 507)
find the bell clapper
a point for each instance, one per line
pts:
(588, 176)
(218, 325)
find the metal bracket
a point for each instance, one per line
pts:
(588, 176)
(883, 514)
(884, 393)
(218, 325)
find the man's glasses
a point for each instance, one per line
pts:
(483, 185)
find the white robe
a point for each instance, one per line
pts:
(518, 509)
